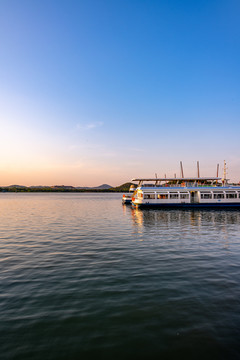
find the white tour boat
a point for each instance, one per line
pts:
(186, 192)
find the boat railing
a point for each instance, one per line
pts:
(193, 185)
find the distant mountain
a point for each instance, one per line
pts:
(100, 187)
(103, 187)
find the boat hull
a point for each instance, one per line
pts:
(190, 205)
(126, 201)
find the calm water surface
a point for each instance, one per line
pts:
(83, 277)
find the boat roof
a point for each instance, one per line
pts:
(179, 179)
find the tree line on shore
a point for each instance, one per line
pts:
(61, 188)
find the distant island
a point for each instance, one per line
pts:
(62, 188)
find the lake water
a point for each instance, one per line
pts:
(84, 277)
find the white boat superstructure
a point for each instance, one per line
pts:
(186, 192)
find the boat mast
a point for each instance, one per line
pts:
(224, 180)
(217, 173)
(198, 171)
(181, 166)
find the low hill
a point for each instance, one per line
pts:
(122, 188)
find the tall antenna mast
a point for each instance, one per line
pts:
(224, 173)
(181, 166)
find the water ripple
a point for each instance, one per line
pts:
(83, 277)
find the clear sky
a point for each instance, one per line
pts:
(101, 91)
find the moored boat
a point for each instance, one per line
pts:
(127, 198)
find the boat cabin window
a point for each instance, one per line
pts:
(218, 196)
(149, 196)
(162, 196)
(174, 196)
(206, 196)
(184, 196)
(231, 195)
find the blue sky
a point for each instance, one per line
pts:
(103, 91)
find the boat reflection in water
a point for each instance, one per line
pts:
(178, 224)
